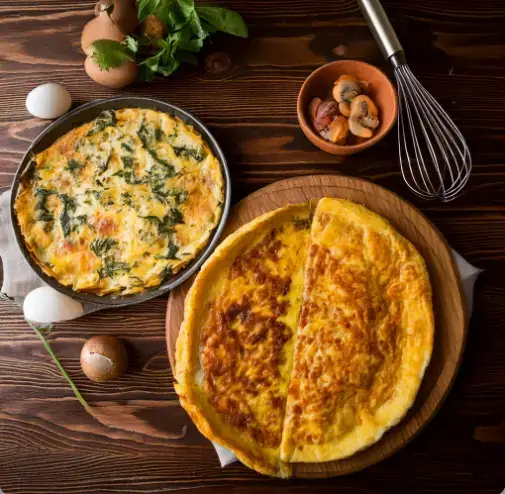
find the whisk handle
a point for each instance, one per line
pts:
(382, 30)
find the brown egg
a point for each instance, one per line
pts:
(115, 77)
(100, 27)
(122, 12)
(103, 358)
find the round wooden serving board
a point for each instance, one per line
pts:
(449, 306)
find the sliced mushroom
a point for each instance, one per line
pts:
(325, 113)
(314, 105)
(370, 122)
(346, 88)
(363, 106)
(358, 130)
(338, 130)
(364, 117)
(345, 109)
(365, 86)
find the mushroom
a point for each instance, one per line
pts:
(324, 114)
(100, 27)
(103, 358)
(364, 117)
(338, 130)
(345, 109)
(314, 105)
(346, 88)
(122, 12)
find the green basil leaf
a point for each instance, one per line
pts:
(146, 74)
(176, 20)
(187, 7)
(145, 8)
(208, 27)
(162, 9)
(193, 45)
(166, 54)
(131, 43)
(109, 54)
(188, 41)
(186, 56)
(225, 20)
(169, 69)
(196, 27)
(152, 63)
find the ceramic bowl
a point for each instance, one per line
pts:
(319, 84)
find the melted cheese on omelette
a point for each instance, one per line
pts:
(122, 203)
(236, 384)
(364, 337)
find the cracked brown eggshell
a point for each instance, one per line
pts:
(123, 13)
(100, 27)
(103, 358)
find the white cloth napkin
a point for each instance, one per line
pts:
(20, 279)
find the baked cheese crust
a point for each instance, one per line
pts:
(122, 203)
(235, 348)
(280, 380)
(365, 335)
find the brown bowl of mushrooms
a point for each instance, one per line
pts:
(347, 106)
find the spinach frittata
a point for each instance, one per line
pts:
(121, 203)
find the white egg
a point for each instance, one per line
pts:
(46, 305)
(49, 100)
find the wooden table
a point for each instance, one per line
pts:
(457, 47)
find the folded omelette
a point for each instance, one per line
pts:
(306, 336)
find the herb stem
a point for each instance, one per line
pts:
(62, 370)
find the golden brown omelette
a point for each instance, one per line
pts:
(122, 203)
(235, 348)
(346, 361)
(364, 338)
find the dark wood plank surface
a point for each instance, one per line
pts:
(456, 47)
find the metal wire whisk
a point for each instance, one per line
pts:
(434, 158)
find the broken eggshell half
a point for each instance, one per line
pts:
(103, 358)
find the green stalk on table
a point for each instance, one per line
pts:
(78, 395)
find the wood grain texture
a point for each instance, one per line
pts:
(448, 300)
(456, 47)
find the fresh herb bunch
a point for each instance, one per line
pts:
(186, 27)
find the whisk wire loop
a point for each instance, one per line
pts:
(434, 157)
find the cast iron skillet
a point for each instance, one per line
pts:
(86, 113)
